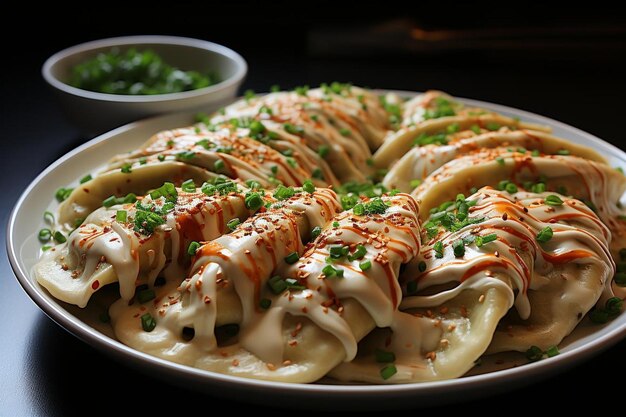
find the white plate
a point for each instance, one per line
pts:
(23, 249)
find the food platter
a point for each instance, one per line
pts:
(23, 249)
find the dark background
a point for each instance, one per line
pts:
(565, 62)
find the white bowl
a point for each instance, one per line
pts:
(94, 112)
(23, 249)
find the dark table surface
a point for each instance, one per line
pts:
(43, 369)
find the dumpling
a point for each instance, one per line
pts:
(421, 161)
(340, 123)
(433, 116)
(87, 197)
(551, 250)
(132, 243)
(300, 334)
(241, 153)
(596, 184)
(482, 256)
(231, 271)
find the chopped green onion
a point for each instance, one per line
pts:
(375, 206)
(143, 160)
(563, 152)
(365, 265)
(500, 160)
(265, 303)
(59, 237)
(253, 201)
(86, 178)
(421, 266)
(475, 129)
(284, 193)
(302, 90)
(275, 88)
(459, 248)
(146, 295)
(45, 235)
(538, 188)
(329, 271)
(453, 128)
(511, 188)
(492, 126)
(46, 247)
(535, 152)
(292, 129)
(274, 169)
(534, 354)
(248, 95)
(232, 224)
(336, 251)
(359, 252)
(308, 186)
(382, 356)
(415, 183)
(253, 184)
(292, 258)
(358, 209)
(317, 174)
(614, 306)
(481, 240)
(552, 351)
(277, 284)
(48, 217)
(388, 371)
(188, 186)
(553, 200)
(193, 248)
(323, 151)
(126, 168)
(294, 284)
(345, 132)
(148, 323)
(63, 193)
(218, 165)
(438, 248)
(292, 162)
(335, 224)
(161, 158)
(315, 232)
(599, 316)
(544, 234)
(121, 215)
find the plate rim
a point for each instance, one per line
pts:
(109, 345)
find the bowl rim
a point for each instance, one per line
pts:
(235, 79)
